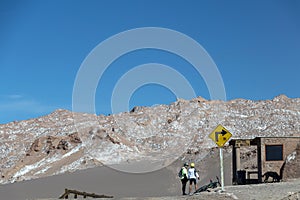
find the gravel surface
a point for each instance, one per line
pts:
(271, 191)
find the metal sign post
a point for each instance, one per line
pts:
(222, 168)
(220, 136)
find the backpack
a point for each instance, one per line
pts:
(180, 173)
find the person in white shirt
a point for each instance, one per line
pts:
(192, 176)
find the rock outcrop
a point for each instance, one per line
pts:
(65, 141)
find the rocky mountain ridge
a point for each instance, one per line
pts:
(64, 141)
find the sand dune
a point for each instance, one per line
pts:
(101, 180)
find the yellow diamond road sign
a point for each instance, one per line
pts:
(220, 135)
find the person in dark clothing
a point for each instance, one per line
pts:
(184, 177)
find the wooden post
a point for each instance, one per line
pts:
(238, 157)
(84, 194)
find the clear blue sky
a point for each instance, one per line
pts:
(255, 45)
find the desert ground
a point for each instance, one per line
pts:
(272, 191)
(162, 184)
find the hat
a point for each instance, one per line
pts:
(192, 164)
(186, 164)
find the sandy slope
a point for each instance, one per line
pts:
(101, 180)
(105, 180)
